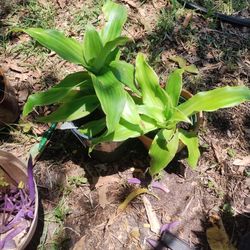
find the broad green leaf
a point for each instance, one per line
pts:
(74, 109)
(124, 72)
(153, 112)
(174, 85)
(116, 16)
(163, 150)
(130, 112)
(112, 97)
(92, 45)
(118, 41)
(109, 52)
(152, 93)
(92, 128)
(87, 87)
(56, 93)
(125, 130)
(67, 48)
(179, 116)
(180, 60)
(118, 56)
(148, 81)
(122, 132)
(191, 69)
(114, 55)
(212, 100)
(191, 140)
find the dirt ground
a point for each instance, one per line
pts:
(79, 195)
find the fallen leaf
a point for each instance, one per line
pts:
(191, 69)
(130, 197)
(23, 95)
(103, 180)
(62, 3)
(102, 194)
(216, 235)
(16, 68)
(245, 161)
(13, 66)
(218, 152)
(79, 245)
(22, 77)
(152, 217)
(135, 233)
(180, 60)
(130, 3)
(187, 19)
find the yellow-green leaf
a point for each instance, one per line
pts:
(57, 92)
(67, 48)
(191, 140)
(116, 16)
(130, 197)
(163, 150)
(92, 128)
(180, 60)
(191, 69)
(73, 109)
(174, 85)
(92, 45)
(112, 97)
(212, 100)
(152, 94)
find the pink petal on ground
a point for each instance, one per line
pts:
(134, 181)
(156, 184)
(169, 226)
(153, 243)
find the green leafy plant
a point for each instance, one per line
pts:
(101, 85)
(162, 106)
(131, 101)
(161, 111)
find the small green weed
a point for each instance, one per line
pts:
(225, 6)
(28, 49)
(212, 185)
(61, 211)
(231, 152)
(168, 17)
(77, 181)
(30, 14)
(36, 15)
(60, 238)
(85, 16)
(227, 209)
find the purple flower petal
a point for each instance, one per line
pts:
(134, 181)
(153, 243)
(156, 184)
(16, 206)
(30, 179)
(169, 226)
(11, 244)
(11, 235)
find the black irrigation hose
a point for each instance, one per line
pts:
(230, 19)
